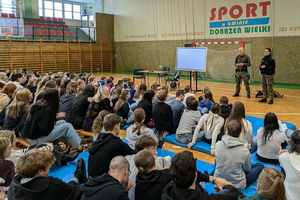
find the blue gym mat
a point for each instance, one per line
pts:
(249, 191)
(125, 127)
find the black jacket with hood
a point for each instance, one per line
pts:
(44, 188)
(104, 187)
(103, 150)
(40, 121)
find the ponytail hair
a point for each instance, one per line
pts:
(122, 100)
(98, 122)
(271, 184)
(139, 117)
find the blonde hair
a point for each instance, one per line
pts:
(8, 134)
(20, 104)
(72, 88)
(271, 184)
(4, 142)
(122, 100)
(102, 93)
(33, 161)
(98, 122)
(138, 116)
(42, 83)
(2, 76)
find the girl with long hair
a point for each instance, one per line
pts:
(101, 101)
(209, 127)
(146, 105)
(238, 113)
(17, 109)
(80, 106)
(41, 85)
(138, 128)
(122, 108)
(66, 100)
(7, 168)
(98, 124)
(206, 103)
(41, 124)
(270, 140)
(270, 186)
(6, 95)
(115, 93)
(138, 96)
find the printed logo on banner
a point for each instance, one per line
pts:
(255, 21)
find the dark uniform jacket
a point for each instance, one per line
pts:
(269, 62)
(242, 59)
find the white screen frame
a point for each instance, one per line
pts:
(191, 49)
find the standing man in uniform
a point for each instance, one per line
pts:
(242, 62)
(267, 71)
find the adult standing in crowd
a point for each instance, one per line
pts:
(267, 71)
(242, 62)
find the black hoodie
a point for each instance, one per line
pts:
(270, 65)
(40, 122)
(103, 150)
(150, 185)
(171, 192)
(104, 187)
(44, 188)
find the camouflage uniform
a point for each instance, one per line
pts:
(242, 72)
(267, 74)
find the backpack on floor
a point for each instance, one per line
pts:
(260, 94)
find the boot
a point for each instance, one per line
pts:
(80, 172)
(68, 158)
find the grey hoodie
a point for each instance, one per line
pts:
(290, 162)
(160, 163)
(132, 137)
(233, 159)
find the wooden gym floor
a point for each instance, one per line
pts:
(285, 108)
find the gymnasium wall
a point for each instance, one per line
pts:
(147, 32)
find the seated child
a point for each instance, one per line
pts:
(131, 89)
(145, 142)
(33, 182)
(7, 168)
(177, 106)
(170, 97)
(190, 117)
(125, 81)
(108, 84)
(205, 89)
(208, 128)
(225, 112)
(138, 128)
(122, 108)
(98, 124)
(102, 80)
(270, 186)
(155, 88)
(206, 103)
(233, 159)
(187, 93)
(270, 140)
(112, 81)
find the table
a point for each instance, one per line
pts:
(153, 72)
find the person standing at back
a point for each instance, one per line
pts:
(267, 71)
(242, 62)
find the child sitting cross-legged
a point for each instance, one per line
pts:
(208, 128)
(233, 159)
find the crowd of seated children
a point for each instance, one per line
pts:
(163, 117)
(63, 87)
(206, 103)
(79, 107)
(186, 179)
(66, 100)
(112, 185)
(17, 109)
(147, 143)
(41, 124)
(270, 186)
(107, 146)
(177, 106)
(7, 169)
(102, 80)
(270, 140)
(122, 107)
(33, 182)
(41, 85)
(98, 124)
(290, 164)
(238, 113)
(132, 91)
(6, 94)
(32, 86)
(100, 101)
(187, 93)
(189, 118)
(208, 128)
(146, 105)
(138, 128)
(233, 159)
(138, 96)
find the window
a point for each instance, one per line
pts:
(91, 18)
(7, 6)
(58, 9)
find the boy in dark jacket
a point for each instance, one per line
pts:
(185, 182)
(32, 181)
(107, 146)
(225, 112)
(110, 186)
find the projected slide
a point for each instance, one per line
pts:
(191, 59)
